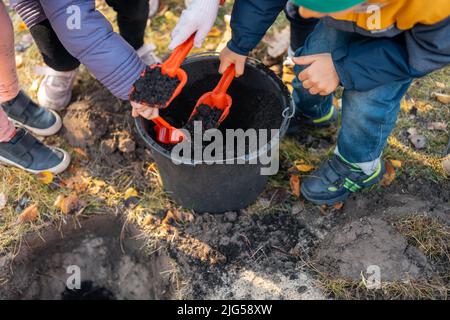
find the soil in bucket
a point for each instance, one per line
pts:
(154, 88)
(252, 108)
(112, 264)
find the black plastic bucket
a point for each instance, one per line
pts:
(219, 187)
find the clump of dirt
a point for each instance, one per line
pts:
(208, 116)
(154, 88)
(102, 255)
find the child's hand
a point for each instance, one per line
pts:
(198, 17)
(228, 57)
(321, 76)
(143, 111)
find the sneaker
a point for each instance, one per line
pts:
(298, 122)
(153, 8)
(147, 54)
(55, 90)
(23, 112)
(336, 179)
(28, 153)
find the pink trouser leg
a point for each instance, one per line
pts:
(9, 84)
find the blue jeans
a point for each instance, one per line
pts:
(367, 117)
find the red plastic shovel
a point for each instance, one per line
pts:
(165, 133)
(218, 98)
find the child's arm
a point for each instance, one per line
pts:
(366, 64)
(89, 37)
(250, 21)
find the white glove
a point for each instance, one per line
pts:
(198, 17)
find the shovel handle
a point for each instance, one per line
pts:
(162, 123)
(225, 81)
(173, 63)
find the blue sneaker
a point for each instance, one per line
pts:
(297, 122)
(23, 112)
(336, 179)
(28, 153)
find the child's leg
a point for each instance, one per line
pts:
(9, 83)
(132, 16)
(53, 52)
(321, 40)
(300, 27)
(367, 120)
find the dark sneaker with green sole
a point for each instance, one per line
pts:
(297, 122)
(336, 179)
(27, 114)
(27, 152)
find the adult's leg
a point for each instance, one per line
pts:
(132, 16)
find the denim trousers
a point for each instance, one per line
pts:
(368, 117)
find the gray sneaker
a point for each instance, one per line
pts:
(55, 90)
(28, 153)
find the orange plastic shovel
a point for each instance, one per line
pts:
(171, 66)
(218, 98)
(165, 133)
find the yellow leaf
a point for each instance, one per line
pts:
(46, 177)
(389, 176)
(442, 98)
(58, 201)
(69, 204)
(304, 167)
(396, 163)
(130, 192)
(19, 61)
(215, 32)
(30, 214)
(22, 27)
(295, 185)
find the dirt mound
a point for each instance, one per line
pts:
(352, 249)
(107, 258)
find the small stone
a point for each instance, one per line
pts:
(126, 144)
(108, 146)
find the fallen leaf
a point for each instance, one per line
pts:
(78, 183)
(304, 167)
(45, 177)
(19, 61)
(441, 126)
(389, 176)
(30, 214)
(3, 201)
(58, 201)
(441, 97)
(412, 131)
(214, 32)
(295, 185)
(406, 104)
(130, 192)
(419, 141)
(396, 163)
(440, 85)
(22, 27)
(96, 186)
(177, 216)
(70, 204)
(338, 205)
(81, 152)
(446, 165)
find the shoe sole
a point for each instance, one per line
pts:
(61, 167)
(54, 129)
